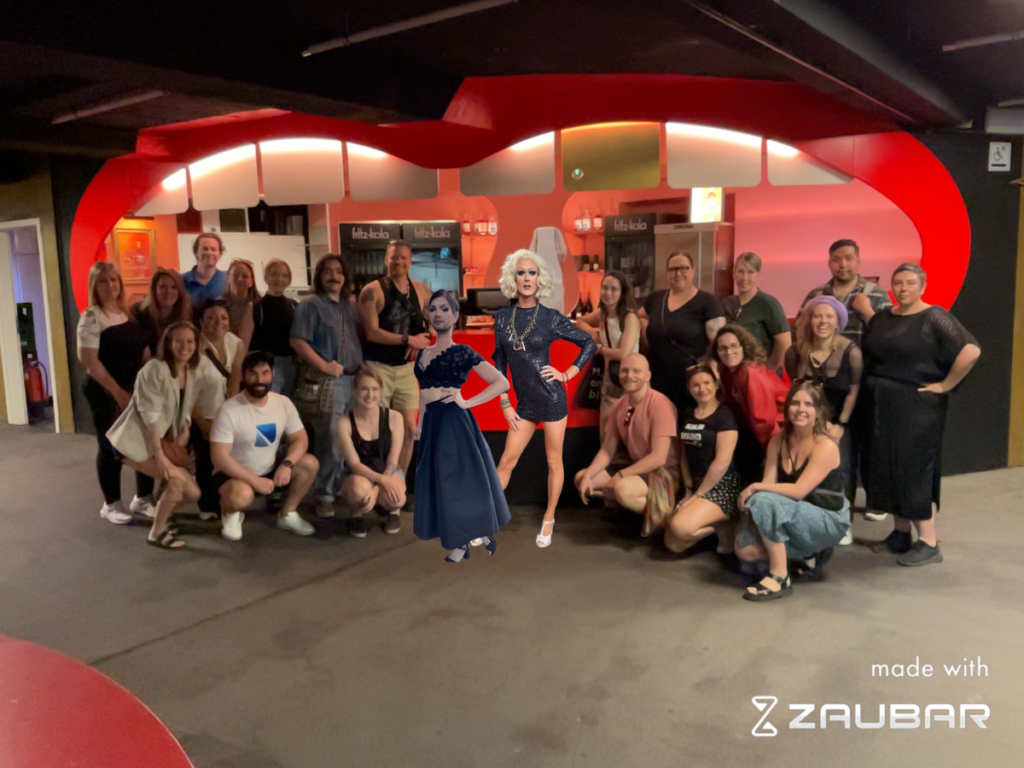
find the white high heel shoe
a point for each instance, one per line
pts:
(542, 540)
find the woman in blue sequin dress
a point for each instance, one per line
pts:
(459, 497)
(523, 336)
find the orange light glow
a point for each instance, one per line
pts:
(221, 159)
(533, 142)
(360, 151)
(606, 125)
(175, 181)
(782, 150)
(708, 132)
(301, 145)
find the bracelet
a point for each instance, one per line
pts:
(843, 424)
(505, 404)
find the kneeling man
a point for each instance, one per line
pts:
(244, 442)
(646, 421)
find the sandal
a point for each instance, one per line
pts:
(167, 539)
(763, 593)
(806, 572)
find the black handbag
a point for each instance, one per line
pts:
(613, 365)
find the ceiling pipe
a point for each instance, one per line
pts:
(737, 27)
(402, 26)
(108, 106)
(977, 42)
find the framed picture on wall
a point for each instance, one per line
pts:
(135, 254)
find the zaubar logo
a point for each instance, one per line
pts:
(900, 716)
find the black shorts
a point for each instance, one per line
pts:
(219, 478)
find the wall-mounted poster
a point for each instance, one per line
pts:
(135, 254)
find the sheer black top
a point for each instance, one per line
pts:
(449, 368)
(917, 349)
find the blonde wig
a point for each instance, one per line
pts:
(507, 281)
(97, 272)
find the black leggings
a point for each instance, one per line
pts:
(209, 498)
(108, 461)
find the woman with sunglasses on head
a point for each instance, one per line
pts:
(915, 354)
(112, 351)
(752, 392)
(678, 324)
(152, 434)
(822, 355)
(240, 296)
(615, 326)
(522, 345)
(165, 303)
(799, 508)
(272, 325)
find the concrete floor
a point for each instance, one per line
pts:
(279, 651)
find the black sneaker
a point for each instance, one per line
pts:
(394, 523)
(896, 542)
(357, 527)
(920, 554)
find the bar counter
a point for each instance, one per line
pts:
(489, 415)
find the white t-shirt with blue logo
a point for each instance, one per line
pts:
(253, 432)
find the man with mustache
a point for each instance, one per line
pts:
(244, 442)
(645, 420)
(326, 339)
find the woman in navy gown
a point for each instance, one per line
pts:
(459, 497)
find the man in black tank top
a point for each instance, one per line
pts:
(393, 315)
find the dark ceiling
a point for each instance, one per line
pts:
(212, 59)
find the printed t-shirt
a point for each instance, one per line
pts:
(699, 437)
(253, 432)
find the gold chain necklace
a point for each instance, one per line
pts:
(517, 341)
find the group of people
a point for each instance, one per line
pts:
(731, 423)
(737, 425)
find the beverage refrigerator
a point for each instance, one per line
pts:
(436, 251)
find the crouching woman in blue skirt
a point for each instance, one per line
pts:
(458, 492)
(799, 509)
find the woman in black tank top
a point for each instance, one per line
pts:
(799, 510)
(371, 440)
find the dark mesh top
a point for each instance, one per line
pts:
(538, 400)
(917, 349)
(449, 368)
(840, 371)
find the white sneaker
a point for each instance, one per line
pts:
(875, 517)
(292, 521)
(847, 540)
(232, 521)
(116, 513)
(143, 506)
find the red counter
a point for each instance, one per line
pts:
(489, 415)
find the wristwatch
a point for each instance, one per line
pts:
(287, 463)
(405, 338)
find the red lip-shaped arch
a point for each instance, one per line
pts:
(489, 114)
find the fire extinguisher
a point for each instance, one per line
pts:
(37, 381)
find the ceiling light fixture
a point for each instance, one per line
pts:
(708, 132)
(360, 151)
(782, 150)
(977, 42)
(535, 141)
(109, 106)
(402, 26)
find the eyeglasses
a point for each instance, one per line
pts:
(730, 348)
(679, 270)
(629, 414)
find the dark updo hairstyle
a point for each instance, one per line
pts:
(753, 352)
(701, 366)
(448, 296)
(672, 255)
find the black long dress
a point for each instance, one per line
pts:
(902, 460)
(537, 399)
(458, 491)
